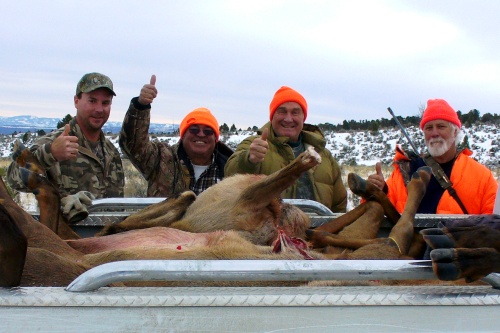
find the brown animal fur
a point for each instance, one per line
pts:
(249, 204)
(51, 261)
(358, 239)
(12, 250)
(47, 195)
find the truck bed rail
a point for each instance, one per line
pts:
(256, 270)
(115, 210)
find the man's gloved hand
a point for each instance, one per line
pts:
(74, 206)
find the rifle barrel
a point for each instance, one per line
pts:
(404, 131)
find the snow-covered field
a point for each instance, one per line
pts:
(352, 148)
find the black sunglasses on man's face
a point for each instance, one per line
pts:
(196, 130)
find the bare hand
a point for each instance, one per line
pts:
(377, 178)
(258, 148)
(148, 92)
(65, 146)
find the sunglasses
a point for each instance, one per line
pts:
(196, 130)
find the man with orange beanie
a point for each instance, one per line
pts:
(282, 139)
(195, 163)
(474, 184)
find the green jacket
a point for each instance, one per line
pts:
(86, 173)
(326, 177)
(166, 168)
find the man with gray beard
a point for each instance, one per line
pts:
(475, 185)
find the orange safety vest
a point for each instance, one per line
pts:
(474, 183)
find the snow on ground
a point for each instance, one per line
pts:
(351, 148)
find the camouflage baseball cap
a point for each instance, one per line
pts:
(92, 81)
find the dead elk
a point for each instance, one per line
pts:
(50, 261)
(237, 219)
(249, 204)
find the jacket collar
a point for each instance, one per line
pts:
(311, 134)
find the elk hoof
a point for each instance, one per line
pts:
(311, 156)
(443, 266)
(361, 187)
(437, 239)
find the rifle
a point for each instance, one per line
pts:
(404, 131)
(437, 171)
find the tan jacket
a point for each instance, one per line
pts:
(326, 177)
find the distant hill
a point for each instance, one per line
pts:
(22, 124)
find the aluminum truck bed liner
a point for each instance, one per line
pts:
(284, 309)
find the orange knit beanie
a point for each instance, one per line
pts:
(439, 109)
(287, 94)
(200, 116)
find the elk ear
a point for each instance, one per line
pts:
(25, 158)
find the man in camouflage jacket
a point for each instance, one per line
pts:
(78, 157)
(195, 163)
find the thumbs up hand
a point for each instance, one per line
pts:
(148, 92)
(377, 178)
(258, 148)
(65, 146)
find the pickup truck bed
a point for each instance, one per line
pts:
(87, 305)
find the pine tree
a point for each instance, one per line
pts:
(64, 121)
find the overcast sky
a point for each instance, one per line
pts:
(350, 59)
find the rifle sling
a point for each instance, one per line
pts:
(443, 180)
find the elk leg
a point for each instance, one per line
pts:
(402, 232)
(321, 239)
(161, 214)
(369, 192)
(467, 237)
(358, 228)
(264, 191)
(366, 218)
(471, 264)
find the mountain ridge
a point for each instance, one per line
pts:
(25, 123)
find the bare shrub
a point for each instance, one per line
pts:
(135, 184)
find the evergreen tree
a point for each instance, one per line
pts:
(345, 125)
(26, 137)
(224, 128)
(64, 121)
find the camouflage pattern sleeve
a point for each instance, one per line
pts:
(135, 143)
